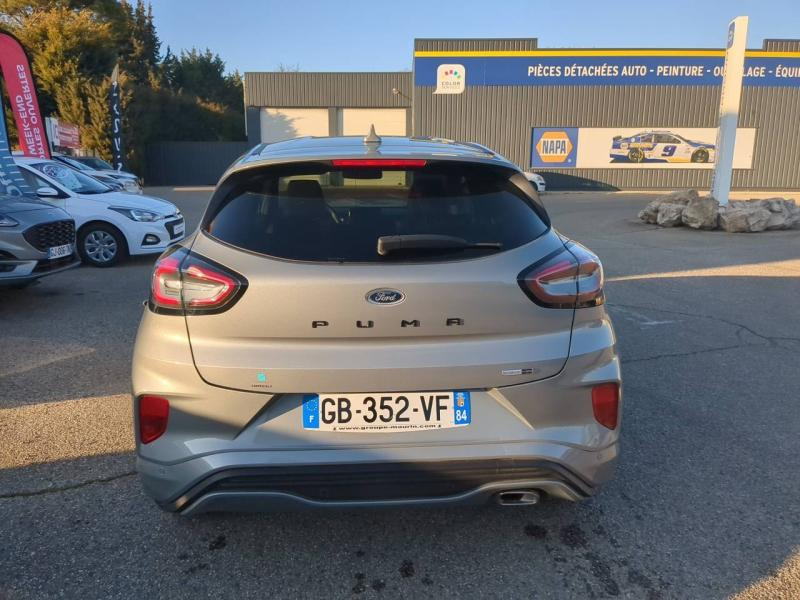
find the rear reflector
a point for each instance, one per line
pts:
(153, 417)
(605, 403)
(380, 163)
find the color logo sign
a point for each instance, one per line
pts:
(450, 79)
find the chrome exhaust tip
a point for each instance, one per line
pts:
(518, 498)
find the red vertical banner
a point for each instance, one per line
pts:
(22, 97)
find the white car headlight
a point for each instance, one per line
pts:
(137, 214)
(534, 177)
(132, 186)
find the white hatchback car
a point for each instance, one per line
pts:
(127, 181)
(110, 224)
(537, 181)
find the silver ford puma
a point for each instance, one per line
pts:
(374, 322)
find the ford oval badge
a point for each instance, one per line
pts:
(385, 296)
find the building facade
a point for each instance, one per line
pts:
(585, 118)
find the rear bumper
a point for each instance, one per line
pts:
(234, 450)
(161, 230)
(375, 484)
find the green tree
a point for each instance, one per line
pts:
(74, 45)
(138, 43)
(202, 74)
(66, 46)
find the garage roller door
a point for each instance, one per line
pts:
(387, 121)
(279, 124)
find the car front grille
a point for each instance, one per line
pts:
(170, 226)
(48, 235)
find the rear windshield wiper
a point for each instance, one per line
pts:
(402, 243)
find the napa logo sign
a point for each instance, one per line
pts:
(554, 147)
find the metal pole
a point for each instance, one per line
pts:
(729, 108)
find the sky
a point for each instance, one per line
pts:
(378, 35)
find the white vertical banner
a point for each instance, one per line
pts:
(51, 126)
(729, 108)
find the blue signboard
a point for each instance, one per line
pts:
(554, 147)
(544, 68)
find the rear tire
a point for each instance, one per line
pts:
(635, 155)
(101, 245)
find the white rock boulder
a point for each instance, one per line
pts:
(784, 214)
(669, 214)
(649, 214)
(687, 207)
(680, 197)
(701, 213)
(744, 219)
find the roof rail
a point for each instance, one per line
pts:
(480, 147)
(433, 138)
(256, 149)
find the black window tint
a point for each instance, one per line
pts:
(338, 215)
(665, 138)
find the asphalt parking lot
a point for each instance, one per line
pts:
(705, 504)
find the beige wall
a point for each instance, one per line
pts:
(279, 124)
(387, 121)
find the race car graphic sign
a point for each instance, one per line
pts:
(660, 146)
(655, 147)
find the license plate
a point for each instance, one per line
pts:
(59, 251)
(178, 229)
(411, 411)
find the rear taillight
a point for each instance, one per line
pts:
(187, 283)
(165, 287)
(153, 418)
(568, 278)
(605, 403)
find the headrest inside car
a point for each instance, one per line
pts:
(304, 188)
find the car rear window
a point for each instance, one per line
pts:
(317, 212)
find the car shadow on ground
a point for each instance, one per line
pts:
(404, 552)
(644, 535)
